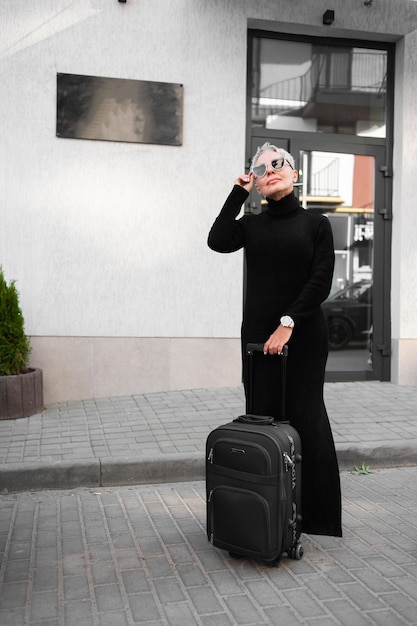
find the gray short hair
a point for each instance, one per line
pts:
(268, 146)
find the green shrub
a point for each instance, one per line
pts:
(14, 345)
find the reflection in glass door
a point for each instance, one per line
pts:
(321, 86)
(341, 186)
(346, 184)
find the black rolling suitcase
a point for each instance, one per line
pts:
(253, 483)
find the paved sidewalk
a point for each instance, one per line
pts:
(120, 556)
(160, 437)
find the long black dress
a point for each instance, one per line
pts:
(289, 266)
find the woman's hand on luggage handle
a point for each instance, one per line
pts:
(277, 340)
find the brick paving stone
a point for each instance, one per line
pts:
(139, 555)
(145, 546)
(372, 414)
(45, 579)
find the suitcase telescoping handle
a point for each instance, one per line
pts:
(251, 348)
(259, 347)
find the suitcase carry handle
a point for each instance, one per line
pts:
(251, 348)
(255, 419)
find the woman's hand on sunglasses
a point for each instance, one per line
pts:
(246, 181)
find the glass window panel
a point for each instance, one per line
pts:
(325, 88)
(341, 186)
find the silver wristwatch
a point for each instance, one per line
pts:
(287, 321)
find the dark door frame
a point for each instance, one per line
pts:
(382, 150)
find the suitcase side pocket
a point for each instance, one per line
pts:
(239, 520)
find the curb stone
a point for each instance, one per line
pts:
(168, 468)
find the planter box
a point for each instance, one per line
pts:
(21, 395)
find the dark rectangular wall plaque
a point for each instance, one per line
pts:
(116, 109)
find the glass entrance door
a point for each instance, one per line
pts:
(341, 186)
(345, 183)
(329, 102)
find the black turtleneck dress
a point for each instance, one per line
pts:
(289, 258)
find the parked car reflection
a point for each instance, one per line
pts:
(349, 314)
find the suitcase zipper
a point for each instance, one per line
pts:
(211, 535)
(240, 447)
(292, 461)
(288, 462)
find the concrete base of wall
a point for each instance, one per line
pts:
(404, 362)
(77, 368)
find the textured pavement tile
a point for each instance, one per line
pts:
(44, 606)
(76, 587)
(13, 595)
(180, 613)
(45, 579)
(191, 575)
(204, 600)
(216, 619)
(244, 611)
(346, 614)
(169, 574)
(135, 581)
(108, 598)
(78, 612)
(103, 573)
(17, 571)
(364, 598)
(113, 618)
(168, 422)
(144, 608)
(12, 617)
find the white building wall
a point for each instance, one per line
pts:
(106, 240)
(404, 258)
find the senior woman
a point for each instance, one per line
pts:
(289, 257)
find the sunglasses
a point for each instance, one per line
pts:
(276, 164)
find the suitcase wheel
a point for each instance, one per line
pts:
(296, 552)
(234, 555)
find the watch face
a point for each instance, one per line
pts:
(287, 321)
